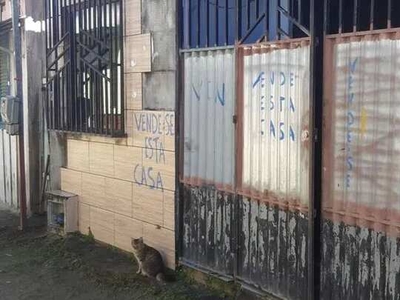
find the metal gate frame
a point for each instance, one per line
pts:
(316, 63)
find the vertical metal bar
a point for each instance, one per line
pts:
(21, 144)
(326, 17)
(46, 24)
(86, 99)
(207, 25)
(248, 15)
(316, 109)
(100, 51)
(299, 11)
(121, 69)
(106, 13)
(63, 89)
(226, 22)
(91, 80)
(188, 11)
(340, 16)
(112, 87)
(198, 23)
(257, 9)
(355, 16)
(96, 92)
(74, 65)
(78, 51)
(238, 11)
(389, 21)
(266, 21)
(216, 23)
(372, 15)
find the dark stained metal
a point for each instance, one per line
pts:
(208, 222)
(273, 246)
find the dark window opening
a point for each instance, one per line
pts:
(84, 66)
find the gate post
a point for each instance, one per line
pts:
(316, 103)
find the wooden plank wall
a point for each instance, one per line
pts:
(126, 186)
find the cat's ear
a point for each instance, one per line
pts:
(141, 239)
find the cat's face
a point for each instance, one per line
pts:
(137, 243)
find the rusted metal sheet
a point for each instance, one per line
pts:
(273, 249)
(274, 107)
(361, 167)
(209, 101)
(208, 229)
(361, 164)
(8, 170)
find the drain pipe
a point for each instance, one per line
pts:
(18, 78)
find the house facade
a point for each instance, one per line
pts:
(253, 140)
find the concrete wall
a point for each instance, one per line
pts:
(126, 186)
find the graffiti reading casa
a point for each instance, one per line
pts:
(155, 125)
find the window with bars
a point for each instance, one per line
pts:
(84, 66)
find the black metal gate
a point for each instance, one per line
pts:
(233, 224)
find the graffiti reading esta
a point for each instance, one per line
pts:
(275, 128)
(156, 126)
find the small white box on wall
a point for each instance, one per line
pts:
(62, 212)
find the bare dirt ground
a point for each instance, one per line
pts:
(36, 265)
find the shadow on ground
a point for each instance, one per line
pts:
(37, 265)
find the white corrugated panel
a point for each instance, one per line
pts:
(209, 83)
(366, 129)
(276, 121)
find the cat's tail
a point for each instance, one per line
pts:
(161, 278)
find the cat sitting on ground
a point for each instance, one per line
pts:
(149, 260)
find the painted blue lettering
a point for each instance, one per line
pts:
(282, 99)
(152, 183)
(291, 105)
(272, 106)
(138, 121)
(272, 78)
(272, 128)
(221, 98)
(144, 179)
(134, 175)
(196, 92)
(283, 78)
(291, 134)
(291, 79)
(259, 79)
(282, 135)
(350, 118)
(159, 182)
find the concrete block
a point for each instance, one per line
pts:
(158, 15)
(133, 17)
(159, 90)
(138, 53)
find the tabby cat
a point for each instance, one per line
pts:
(149, 260)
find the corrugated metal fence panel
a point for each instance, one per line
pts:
(208, 232)
(276, 105)
(8, 170)
(361, 245)
(273, 249)
(365, 119)
(209, 84)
